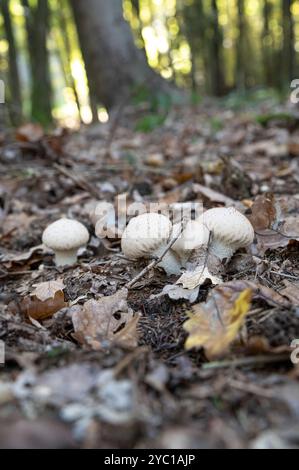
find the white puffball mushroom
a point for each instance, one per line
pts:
(65, 237)
(230, 230)
(194, 236)
(147, 236)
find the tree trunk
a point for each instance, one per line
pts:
(37, 25)
(288, 55)
(217, 74)
(113, 63)
(66, 61)
(241, 53)
(267, 45)
(14, 78)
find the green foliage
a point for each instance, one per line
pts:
(265, 119)
(150, 122)
(250, 98)
(216, 124)
(158, 104)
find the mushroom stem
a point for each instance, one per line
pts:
(221, 250)
(66, 257)
(170, 262)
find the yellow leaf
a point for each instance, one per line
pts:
(215, 323)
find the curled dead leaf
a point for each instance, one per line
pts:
(47, 290)
(107, 319)
(38, 309)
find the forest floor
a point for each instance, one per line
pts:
(117, 375)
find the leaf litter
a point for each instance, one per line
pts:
(97, 364)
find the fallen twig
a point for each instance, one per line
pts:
(80, 182)
(247, 361)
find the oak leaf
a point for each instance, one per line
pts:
(215, 324)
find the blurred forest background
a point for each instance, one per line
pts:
(73, 60)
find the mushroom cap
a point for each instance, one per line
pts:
(144, 234)
(193, 236)
(228, 226)
(65, 234)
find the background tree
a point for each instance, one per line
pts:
(101, 51)
(37, 26)
(288, 51)
(15, 105)
(113, 63)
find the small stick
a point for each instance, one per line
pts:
(80, 182)
(246, 361)
(285, 275)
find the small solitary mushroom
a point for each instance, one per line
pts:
(146, 236)
(230, 230)
(65, 237)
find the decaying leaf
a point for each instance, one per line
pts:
(215, 323)
(193, 279)
(263, 212)
(275, 221)
(47, 290)
(291, 291)
(30, 132)
(107, 319)
(42, 309)
(20, 257)
(176, 292)
(287, 232)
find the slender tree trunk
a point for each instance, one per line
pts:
(240, 50)
(194, 26)
(267, 45)
(113, 63)
(66, 64)
(37, 25)
(217, 74)
(288, 53)
(87, 58)
(14, 78)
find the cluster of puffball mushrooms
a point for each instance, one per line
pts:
(219, 232)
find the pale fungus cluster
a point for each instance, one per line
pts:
(219, 232)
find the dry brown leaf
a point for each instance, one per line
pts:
(291, 291)
(293, 146)
(17, 223)
(263, 212)
(216, 323)
(197, 277)
(287, 233)
(30, 133)
(107, 319)
(127, 337)
(20, 257)
(47, 290)
(40, 310)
